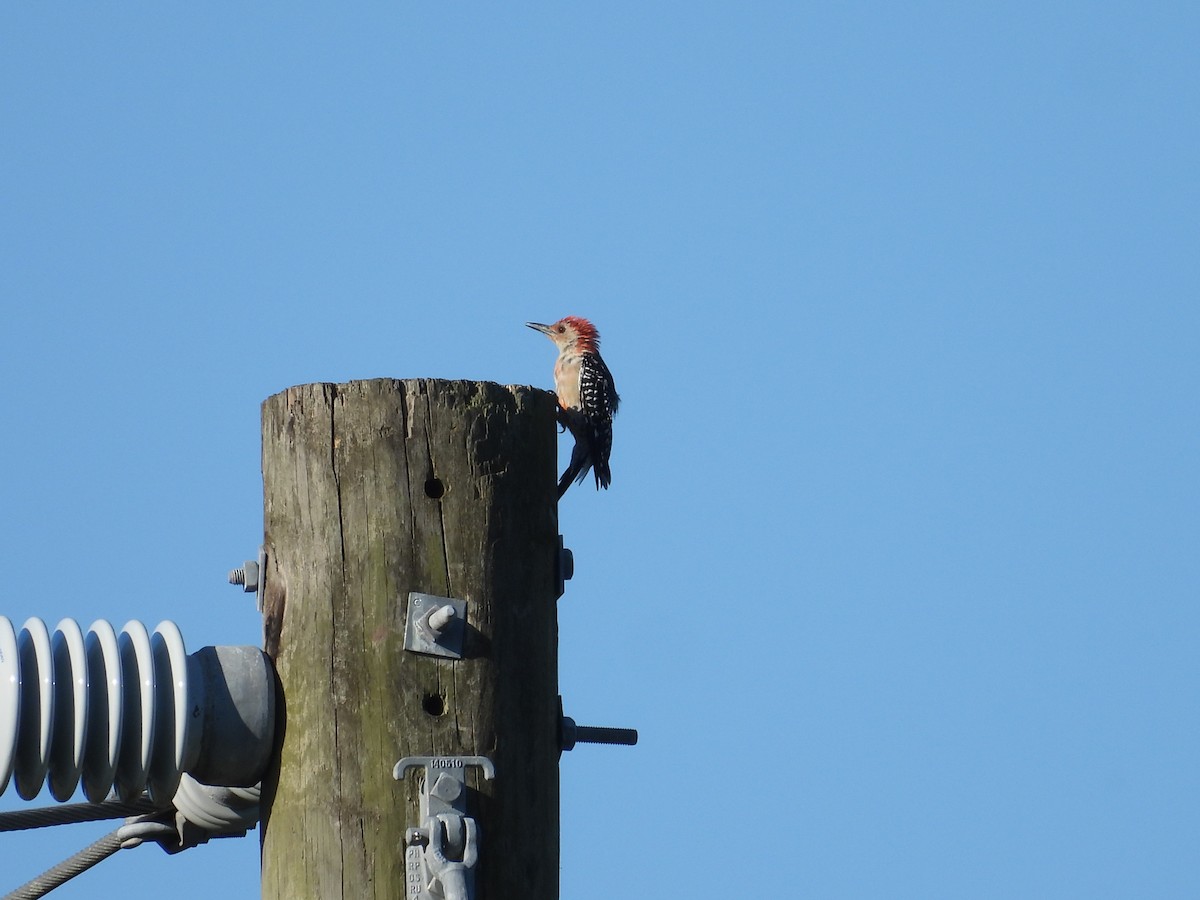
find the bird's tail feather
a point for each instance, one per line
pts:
(581, 461)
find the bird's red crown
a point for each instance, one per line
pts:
(587, 337)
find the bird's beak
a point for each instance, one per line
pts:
(544, 329)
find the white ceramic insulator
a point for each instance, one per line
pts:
(121, 711)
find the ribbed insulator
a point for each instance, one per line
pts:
(117, 710)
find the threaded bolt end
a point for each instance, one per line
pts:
(587, 734)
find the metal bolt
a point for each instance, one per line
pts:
(440, 618)
(446, 789)
(252, 575)
(588, 734)
(247, 576)
(573, 734)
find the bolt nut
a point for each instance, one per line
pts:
(247, 576)
(446, 789)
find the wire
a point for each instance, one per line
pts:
(131, 834)
(43, 817)
(68, 868)
(204, 811)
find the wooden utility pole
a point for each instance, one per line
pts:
(372, 490)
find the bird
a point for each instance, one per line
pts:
(587, 398)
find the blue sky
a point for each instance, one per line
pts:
(897, 574)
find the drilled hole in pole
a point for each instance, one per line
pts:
(434, 489)
(434, 704)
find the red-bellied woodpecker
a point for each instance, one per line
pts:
(587, 398)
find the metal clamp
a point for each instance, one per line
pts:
(440, 854)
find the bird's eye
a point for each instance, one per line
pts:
(562, 328)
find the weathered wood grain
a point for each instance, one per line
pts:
(373, 489)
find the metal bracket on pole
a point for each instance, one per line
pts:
(564, 566)
(435, 625)
(440, 854)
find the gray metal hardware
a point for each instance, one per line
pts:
(441, 853)
(435, 625)
(564, 566)
(252, 576)
(570, 734)
(573, 734)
